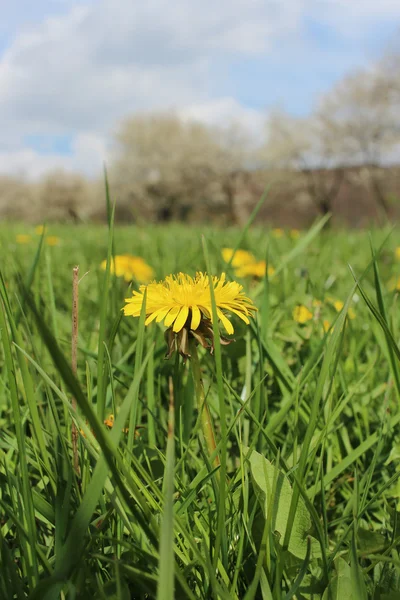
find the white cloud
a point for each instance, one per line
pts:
(88, 154)
(226, 111)
(79, 72)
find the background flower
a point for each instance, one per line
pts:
(130, 267)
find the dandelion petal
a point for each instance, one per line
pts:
(171, 316)
(196, 317)
(225, 322)
(181, 319)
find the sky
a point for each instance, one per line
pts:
(70, 70)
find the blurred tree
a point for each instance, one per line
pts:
(301, 144)
(63, 196)
(178, 166)
(362, 114)
(18, 198)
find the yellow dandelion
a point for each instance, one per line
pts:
(39, 229)
(183, 303)
(240, 258)
(338, 305)
(294, 234)
(255, 269)
(109, 421)
(351, 313)
(394, 284)
(52, 240)
(397, 253)
(326, 325)
(130, 267)
(301, 314)
(278, 232)
(23, 238)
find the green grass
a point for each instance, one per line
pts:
(305, 501)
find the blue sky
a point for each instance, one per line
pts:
(70, 70)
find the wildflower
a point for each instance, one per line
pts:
(301, 314)
(255, 269)
(240, 258)
(278, 232)
(326, 325)
(397, 253)
(294, 234)
(52, 240)
(23, 238)
(39, 229)
(338, 305)
(109, 421)
(183, 303)
(130, 267)
(394, 284)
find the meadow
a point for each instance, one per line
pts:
(299, 497)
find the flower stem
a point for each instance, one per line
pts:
(206, 423)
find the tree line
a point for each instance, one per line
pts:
(166, 168)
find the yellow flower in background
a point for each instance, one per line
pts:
(301, 314)
(52, 240)
(326, 325)
(351, 313)
(23, 238)
(397, 253)
(338, 305)
(130, 267)
(39, 229)
(278, 232)
(394, 284)
(255, 269)
(109, 421)
(241, 257)
(181, 300)
(294, 234)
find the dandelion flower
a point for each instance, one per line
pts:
(301, 314)
(23, 238)
(109, 421)
(130, 267)
(278, 232)
(240, 258)
(338, 305)
(326, 325)
(183, 303)
(351, 313)
(52, 240)
(255, 269)
(394, 284)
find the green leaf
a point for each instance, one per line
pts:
(116, 590)
(340, 587)
(262, 472)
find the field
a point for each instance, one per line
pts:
(300, 497)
